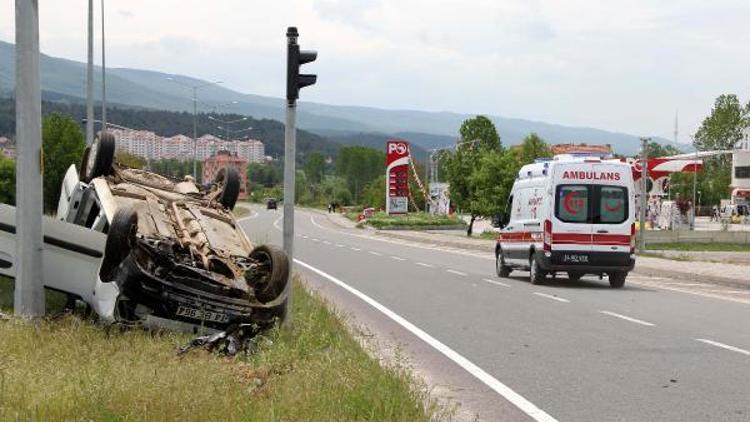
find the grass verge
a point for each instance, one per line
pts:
(74, 369)
(700, 247)
(413, 221)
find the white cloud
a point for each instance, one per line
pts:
(622, 65)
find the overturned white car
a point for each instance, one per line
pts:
(173, 254)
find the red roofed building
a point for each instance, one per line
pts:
(224, 159)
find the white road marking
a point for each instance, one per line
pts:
(398, 258)
(456, 272)
(315, 223)
(304, 236)
(559, 299)
(424, 265)
(519, 401)
(627, 318)
(339, 245)
(724, 346)
(356, 249)
(315, 239)
(249, 217)
(375, 253)
(276, 223)
(326, 242)
(499, 283)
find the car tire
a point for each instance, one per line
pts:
(536, 274)
(502, 270)
(617, 280)
(120, 241)
(574, 275)
(82, 170)
(100, 157)
(230, 190)
(276, 263)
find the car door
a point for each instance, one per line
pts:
(611, 212)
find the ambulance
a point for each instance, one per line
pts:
(571, 215)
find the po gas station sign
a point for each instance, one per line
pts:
(397, 176)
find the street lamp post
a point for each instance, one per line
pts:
(195, 89)
(226, 124)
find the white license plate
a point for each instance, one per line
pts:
(576, 258)
(202, 315)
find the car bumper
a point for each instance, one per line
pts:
(586, 262)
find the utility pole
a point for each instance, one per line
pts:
(644, 194)
(104, 79)
(294, 81)
(195, 134)
(29, 290)
(90, 78)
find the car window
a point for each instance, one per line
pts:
(613, 204)
(572, 203)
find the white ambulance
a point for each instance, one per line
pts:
(569, 214)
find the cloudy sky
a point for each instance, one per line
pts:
(619, 65)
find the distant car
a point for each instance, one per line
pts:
(271, 204)
(173, 250)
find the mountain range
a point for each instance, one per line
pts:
(344, 124)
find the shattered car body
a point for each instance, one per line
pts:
(174, 254)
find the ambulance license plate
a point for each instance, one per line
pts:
(202, 315)
(575, 258)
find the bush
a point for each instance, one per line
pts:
(414, 220)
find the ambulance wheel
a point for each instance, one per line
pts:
(536, 274)
(574, 275)
(502, 269)
(617, 280)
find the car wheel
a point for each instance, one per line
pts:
(269, 281)
(500, 267)
(100, 157)
(120, 241)
(536, 274)
(617, 280)
(574, 275)
(230, 190)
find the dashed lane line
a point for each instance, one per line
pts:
(559, 299)
(355, 249)
(456, 272)
(724, 346)
(495, 282)
(375, 253)
(509, 394)
(424, 265)
(398, 258)
(627, 318)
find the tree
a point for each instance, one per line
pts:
(723, 127)
(315, 167)
(531, 148)
(130, 160)
(7, 180)
(480, 129)
(334, 189)
(358, 166)
(374, 194)
(655, 149)
(63, 145)
(492, 181)
(461, 165)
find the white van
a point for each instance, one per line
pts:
(569, 214)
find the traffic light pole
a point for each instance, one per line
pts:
(29, 289)
(294, 81)
(290, 146)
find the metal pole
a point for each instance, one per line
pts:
(290, 141)
(195, 133)
(29, 289)
(90, 78)
(104, 79)
(644, 194)
(695, 182)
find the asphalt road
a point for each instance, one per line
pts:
(508, 350)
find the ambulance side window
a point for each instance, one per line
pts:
(572, 203)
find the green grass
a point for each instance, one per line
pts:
(71, 369)
(413, 220)
(240, 211)
(702, 247)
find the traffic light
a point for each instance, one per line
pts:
(295, 58)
